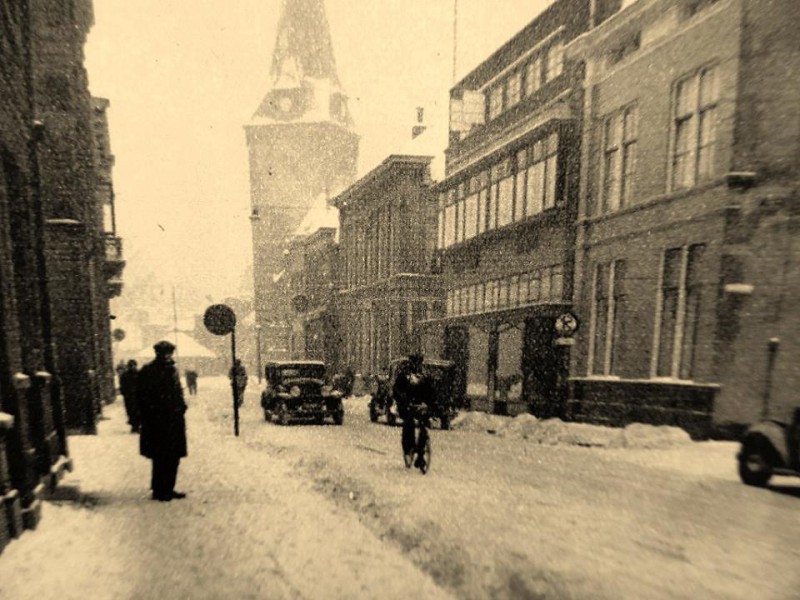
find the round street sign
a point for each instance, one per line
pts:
(118, 334)
(567, 324)
(219, 319)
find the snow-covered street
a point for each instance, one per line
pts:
(321, 511)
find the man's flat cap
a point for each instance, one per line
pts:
(164, 347)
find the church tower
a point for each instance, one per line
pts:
(301, 144)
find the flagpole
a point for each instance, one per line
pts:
(455, 38)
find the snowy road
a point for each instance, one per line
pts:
(506, 518)
(309, 511)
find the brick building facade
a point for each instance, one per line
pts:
(685, 265)
(506, 217)
(47, 196)
(387, 221)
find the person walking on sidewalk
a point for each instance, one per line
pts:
(127, 387)
(163, 426)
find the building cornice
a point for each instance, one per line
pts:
(360, 187)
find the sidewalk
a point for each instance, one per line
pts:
(249, 529)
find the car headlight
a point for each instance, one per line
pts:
(294, 392)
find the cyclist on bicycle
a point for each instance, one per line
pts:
(414, 393)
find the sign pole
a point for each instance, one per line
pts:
(220, 319)
(234, 384)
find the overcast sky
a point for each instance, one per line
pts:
(183, 76)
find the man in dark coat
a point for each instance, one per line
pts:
(127, 387)
(412, 389)
(163, 427)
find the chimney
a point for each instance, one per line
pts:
(420, 126)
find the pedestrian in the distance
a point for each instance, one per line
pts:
(191, 381)
(120, 369)
(127, 387)
(238, 377)
(163, 426)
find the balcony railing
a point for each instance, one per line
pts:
(114, 262)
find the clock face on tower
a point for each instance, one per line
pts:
(287, 104)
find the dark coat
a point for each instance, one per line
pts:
(127, 382)
(408, 394)
(161, 404)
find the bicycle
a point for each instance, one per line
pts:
(420, 417)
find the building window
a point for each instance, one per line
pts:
(551, 163)
(678, 312)
(514, 89)
(607, 317)
(555, 61)
(450, 220)
(557, 283)
(694, 128)
(619, 159)
(471, 210)
(540, 177)
(460, 206)
(494, 101)
(503, 186)
(533, 76)
(625, 49)
(483, 198)
(520, 172)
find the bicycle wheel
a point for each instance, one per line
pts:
(425, 459)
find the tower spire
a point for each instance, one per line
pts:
(305, 85)
(303, 45)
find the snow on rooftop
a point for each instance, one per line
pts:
(431, 142)
(321, 215)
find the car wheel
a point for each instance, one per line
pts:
(373, 413)
(755, 463)
(338, 416)
(283, 414)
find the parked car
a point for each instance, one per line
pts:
(770, 447)
(299, 390)
(449, 393)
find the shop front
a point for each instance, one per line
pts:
(511, 360)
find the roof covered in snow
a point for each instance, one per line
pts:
(321, 215)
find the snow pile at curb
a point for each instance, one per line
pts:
(522, 426)
(639, 435)
(553, 432)
(478, 421)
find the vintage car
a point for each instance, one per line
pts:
(770, 447)
(449, 393)
(299, 390)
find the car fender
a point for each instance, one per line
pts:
(774, 434)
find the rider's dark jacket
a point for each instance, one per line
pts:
(412, 389)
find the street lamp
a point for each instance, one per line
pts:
(258, 351)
